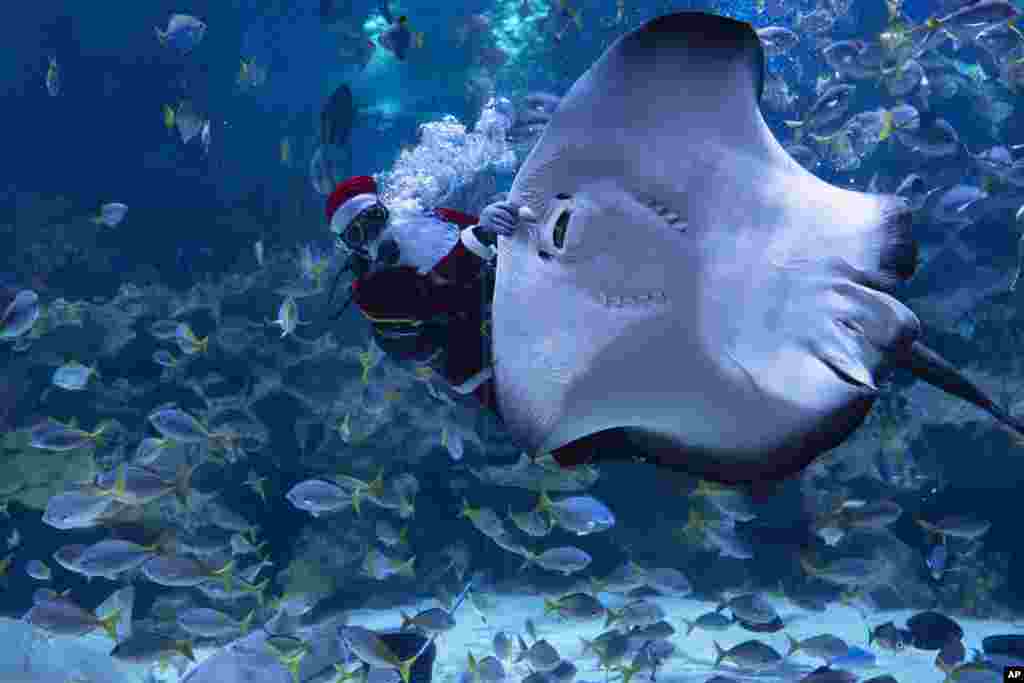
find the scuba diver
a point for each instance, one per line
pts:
(423, 282)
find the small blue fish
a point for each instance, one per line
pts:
(73, 376)
(111, 214)
(183, 33)
(53, 78)
(287, 317)
(177, 425)
(20, 315)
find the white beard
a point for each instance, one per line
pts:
(422, 241)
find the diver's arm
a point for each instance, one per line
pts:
(499, 218)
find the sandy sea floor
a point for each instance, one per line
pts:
(29, 658)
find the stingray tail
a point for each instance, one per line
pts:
(929, 366)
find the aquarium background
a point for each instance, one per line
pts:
(185, 251)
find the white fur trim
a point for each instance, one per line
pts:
(469, 239)
(349, 210)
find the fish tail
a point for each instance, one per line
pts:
(226, 573)
(523, 650)
(927, 526)
(376, 487)
(886, 126)
(587, 645)
(530, 558)
(407, 568)
(407, 621)
(794, 645)
(247, 622)
(260, 589)
(185, 648)
(120, 484)
(611, 618)
(719, 653)
(160, 35)
(183, 484)
(405, 668)
(544, 502)
(293, 667)
(550, 606)
(805, 563)
(690, 625)
(419, 39)
(109, 623)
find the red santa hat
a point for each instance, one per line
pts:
(349, 199)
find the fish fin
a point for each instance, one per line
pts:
(109, 623)
(794, 645)
(185, 648)
(183, 484)
(405, 667)
(805, 563)
(887, 126)
(719, 653)
(407, 568)
(247, 622)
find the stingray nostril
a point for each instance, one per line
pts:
(561, 225)
(544, 256)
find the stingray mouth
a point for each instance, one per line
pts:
(649, 299)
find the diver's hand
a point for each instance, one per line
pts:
(500, 218)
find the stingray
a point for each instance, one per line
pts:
(681, 290)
